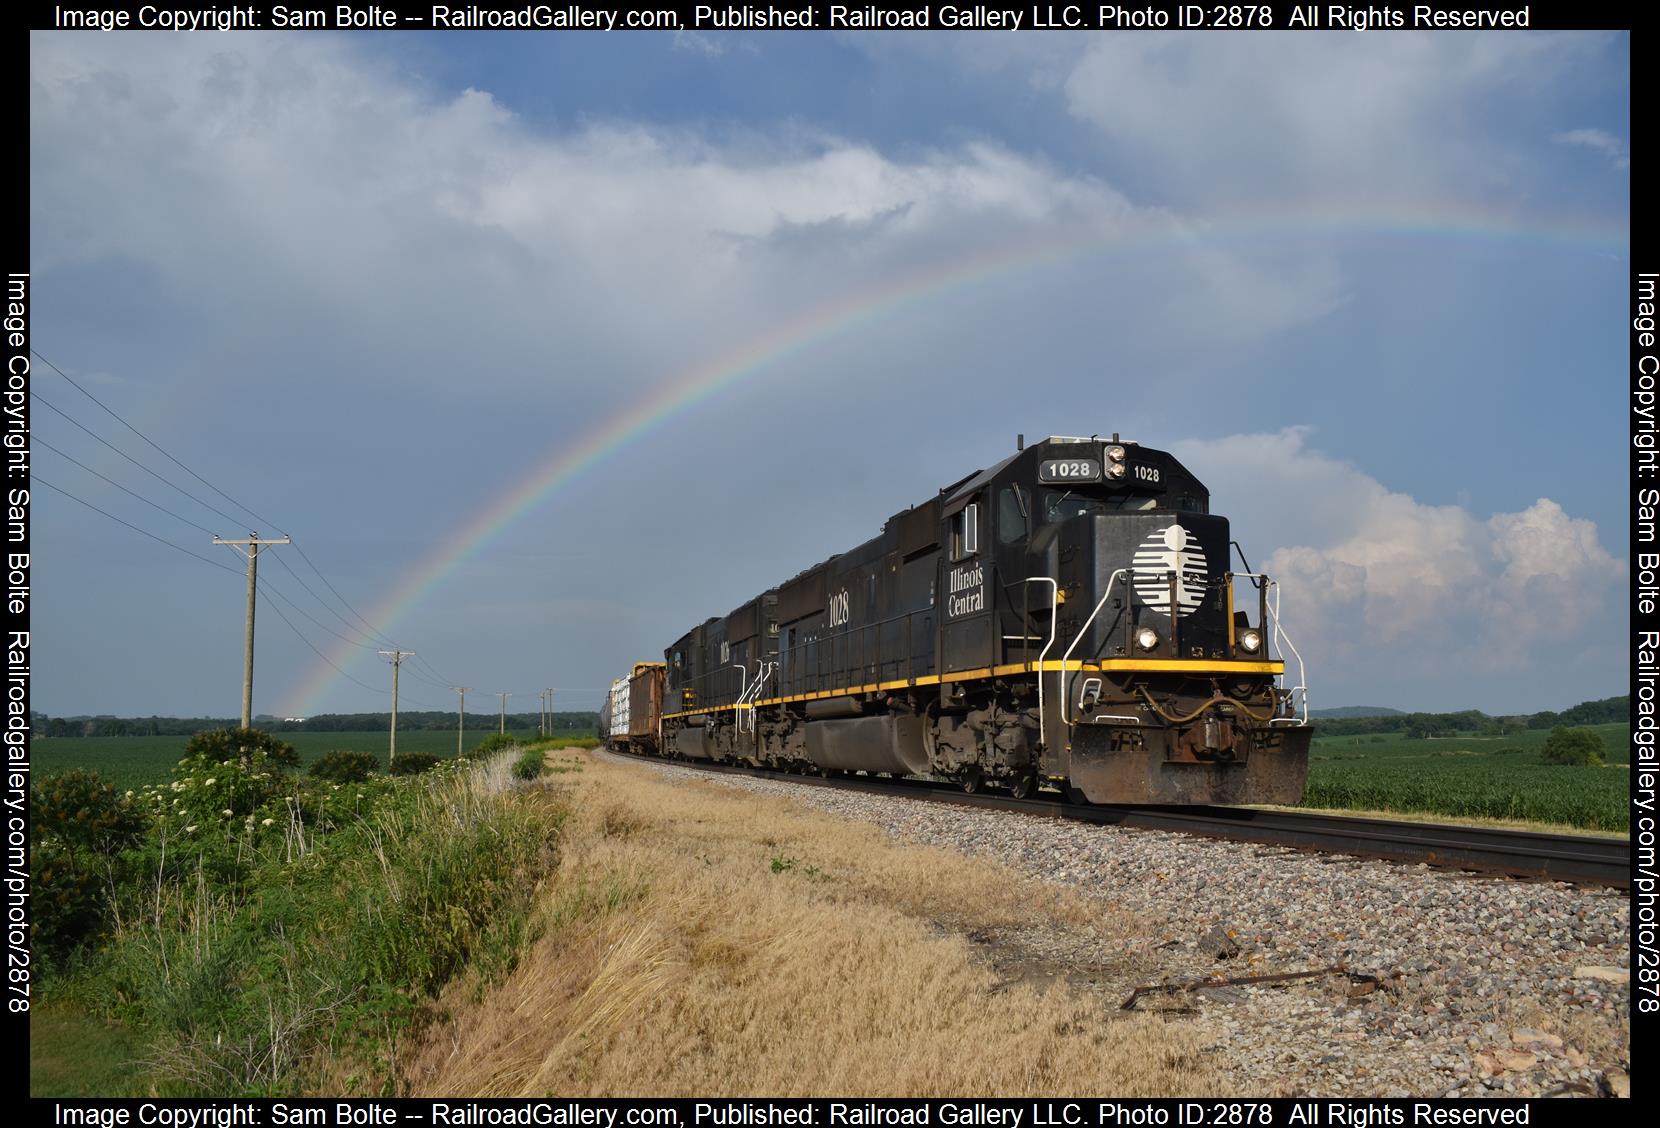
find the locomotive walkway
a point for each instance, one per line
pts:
(1580, 859)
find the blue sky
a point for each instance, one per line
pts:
(1370, 287)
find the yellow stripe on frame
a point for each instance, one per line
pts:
(1107, 665)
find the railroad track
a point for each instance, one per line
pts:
(1581, 859)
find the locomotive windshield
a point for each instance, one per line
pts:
(1061, 505)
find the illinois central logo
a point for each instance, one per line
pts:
(1170, 549)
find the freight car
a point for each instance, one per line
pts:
(631, 717)
(1066, 618)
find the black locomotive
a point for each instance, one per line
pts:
(1067, 618)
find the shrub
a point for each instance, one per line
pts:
(69, 902)
(413, 763)
(345, 767)
(225, 745)
(85, 814)
(495, 742)
(1577, 746)
(207, 791)
(78, 831)
(530, 765)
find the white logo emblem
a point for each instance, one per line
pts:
(1171, 549)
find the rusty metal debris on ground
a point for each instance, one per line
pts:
(1362, 984)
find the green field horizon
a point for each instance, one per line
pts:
(130, 761)
(1462, 774)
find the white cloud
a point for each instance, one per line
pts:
(701, 44)
(1600, 141)
(1313, 115)
(1373, 579)
(288, 170)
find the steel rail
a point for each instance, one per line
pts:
(1577, 859)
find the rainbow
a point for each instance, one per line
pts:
(700, 382)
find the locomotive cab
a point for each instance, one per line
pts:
(1097, 567)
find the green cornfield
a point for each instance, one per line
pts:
(1473, 777)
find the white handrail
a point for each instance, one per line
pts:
(752, 691)
(1066, 698)
(1283, 642)
(1054, 618)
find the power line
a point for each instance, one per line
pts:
(278, 612)
(437, 680)
(373, 632)
(269, 590)
(233, 571)
(272, 590)
(324, 603)
(431, 669)
(146, 438)
(233, 520)
(426, 680)
(37, 478)
(202, 528)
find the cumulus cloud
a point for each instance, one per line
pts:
(1372, 577)
(300, 170)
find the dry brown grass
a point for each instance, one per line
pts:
(701, 941)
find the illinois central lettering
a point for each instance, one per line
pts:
(967, 591)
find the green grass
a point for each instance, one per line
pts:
(73, 1054)
(1500, 777)
(128, 761)
(294, 951)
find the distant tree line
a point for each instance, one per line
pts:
(1609, 710)
(44, 725)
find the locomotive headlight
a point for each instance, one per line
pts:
(1115, 470)
(1115, 453)
(1147, 638)
(1250, 641)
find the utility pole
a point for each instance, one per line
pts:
(550, 712)
(250, 548)
(397, 657)
(504, 697)
(541, 712)
(460, 716)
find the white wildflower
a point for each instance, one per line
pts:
(191, 829)
(209, 782)
(267, 822)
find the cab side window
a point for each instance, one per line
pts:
(965, 532)
(1011, 516)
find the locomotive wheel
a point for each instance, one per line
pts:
(1024, 786)
(971, 779)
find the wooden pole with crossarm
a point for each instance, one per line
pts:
(397, 657)
(251, 547)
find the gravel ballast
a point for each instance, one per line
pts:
(1451, 984)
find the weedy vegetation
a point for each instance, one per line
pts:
(244, 929)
